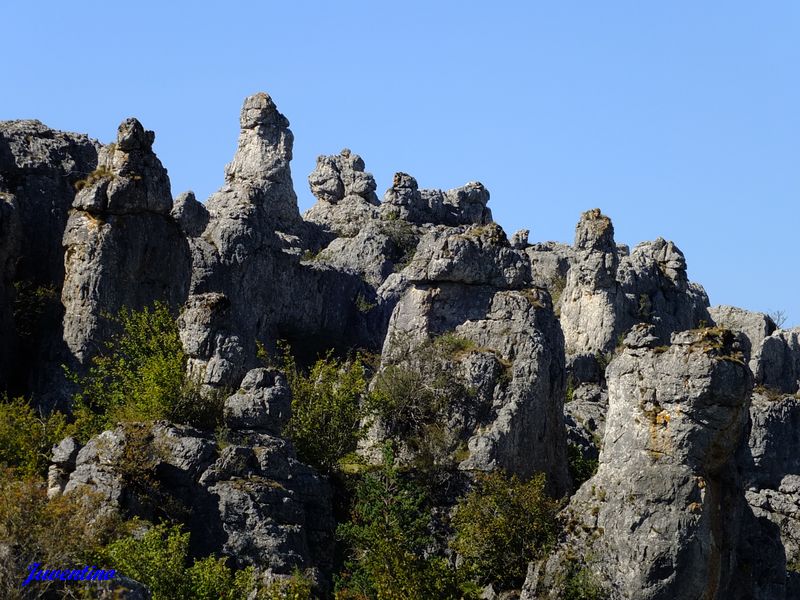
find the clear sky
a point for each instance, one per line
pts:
(679, 119)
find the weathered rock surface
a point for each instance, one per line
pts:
(470, 284)
(665, 515)
(249, 282)
(251, 500)
(461, 206)
(607, 291)
(122, 248)
(751, 327)
(39, 169)
(10, 238)
(263, 402)
(779, 361)
(345, 193)
(40, 166)
(771, 466)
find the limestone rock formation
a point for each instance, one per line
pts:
(122, 248)
(39, 169)
(665, 515)
(504, 351)
(41, 166)
(751, 327)
(469, 284)
(779, 361)
(462, 206)
(771, 466)
(248, 270)
(251, 500)
(345, 193)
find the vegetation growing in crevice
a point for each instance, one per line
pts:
(580, 468)
(327, 408)
(100, 173)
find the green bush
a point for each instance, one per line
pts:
(140, 376)
(296, 587)
(326, 422)
(159, 559)
(503, 524)
(66, 530)
(26, 437)
(387, 537)
(580, 584)
(580, 468)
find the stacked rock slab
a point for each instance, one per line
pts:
(469, 283)
(251, 500)
(601, 290)
(122, 248)
(665, 515)
(39, 169)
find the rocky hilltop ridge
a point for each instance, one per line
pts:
(537, 353)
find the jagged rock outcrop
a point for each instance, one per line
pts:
(39, 168)
(665, 515)
(592, 302)
(771, 466)
(122, 247)
(751, 327)
(607, 290)
(779, 361)
(469, 284)
(250, 499)
(249, 282)
(654, 280)
(461, 206)
(345, 194)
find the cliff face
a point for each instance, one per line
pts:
(610, 350)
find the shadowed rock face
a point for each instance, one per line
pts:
(122, 247)
(665, 515)
(39, 168)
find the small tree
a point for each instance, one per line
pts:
(503, 524)
(388, 536)
(159, 559)
(326, 409)
(140, 376)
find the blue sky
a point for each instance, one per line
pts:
(679, 119)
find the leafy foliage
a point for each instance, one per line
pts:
(159, 559)
(388, 536)
(503, 524)
(296, 587)
(32, 305)
(62, 531)
(140, 376)
(413, 399)
(580, 468)
(579, 583)
(26, 436)
(326, 409)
